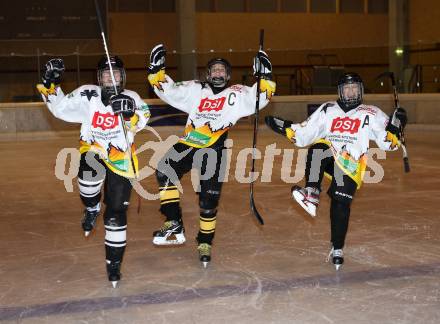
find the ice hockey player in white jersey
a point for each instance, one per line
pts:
(339, 133)
(212, 108)
(107, 150)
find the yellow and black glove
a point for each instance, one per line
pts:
(53, 72)
(262, 66)
(397, 122)
(278, 125)
(157, 59)
(123, 104)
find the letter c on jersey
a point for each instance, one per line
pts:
(231, 96)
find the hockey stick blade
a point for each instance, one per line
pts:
(406, 164)
(405, 157)
(255, 211)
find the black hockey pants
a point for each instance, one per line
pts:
(117, 190)
(179, 160)
(341, 190)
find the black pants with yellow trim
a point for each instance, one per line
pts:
(179, 160)
(93, 173)
(342, 188)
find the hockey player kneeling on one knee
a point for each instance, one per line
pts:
(110, 116)
(213, 108)
(338, 133)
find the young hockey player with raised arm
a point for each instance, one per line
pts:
(212, 108)
(107, 151)
(339, 133)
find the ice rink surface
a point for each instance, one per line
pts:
(276, 273)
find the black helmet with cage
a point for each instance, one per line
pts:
(353, 98)
(215, 81)
(104, 72)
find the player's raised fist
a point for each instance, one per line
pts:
(157, 59)
(123, 104)
(262, 65)
(53, 71)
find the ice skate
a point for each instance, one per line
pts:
(307, 197)
(114, 272)
(204, 253)
(337, 256)
(89, 221)
(171, 233)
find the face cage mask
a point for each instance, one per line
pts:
(351, 102)
(218, 82)
(110, 89)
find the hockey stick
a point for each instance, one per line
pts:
(101, 27)
(254, 145)
(397, 106)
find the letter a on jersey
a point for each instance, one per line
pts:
(366, 121)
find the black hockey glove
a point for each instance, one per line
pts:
(53, 71)
(123, 104)
(157, 59)
(277, 124)
(262, 66)
(397, 121)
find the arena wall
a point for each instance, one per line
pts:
(24, 118)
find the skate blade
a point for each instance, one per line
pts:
(338, 266)
(299, 199)
(180, 239)
(114, 284)
(205, 264)
(172, 242)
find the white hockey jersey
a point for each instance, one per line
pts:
(101, 129)
(210, 115)
(347, 134)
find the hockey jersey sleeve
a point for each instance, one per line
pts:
(310, 130)
(267, 90)
(176, 94)
(69, 108)
(385, 140)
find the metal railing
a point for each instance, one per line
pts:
(19, 74)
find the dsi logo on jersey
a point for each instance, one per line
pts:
(345, 125)
(212, 104)
(104, 121)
